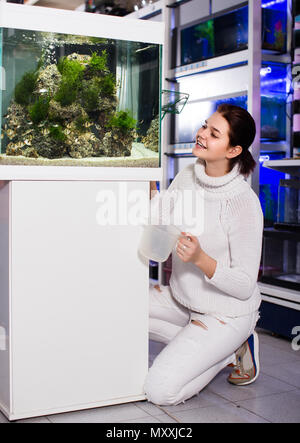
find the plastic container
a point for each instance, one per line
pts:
(158, 241)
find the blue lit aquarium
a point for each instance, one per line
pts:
(269, 180)
(194, 115)
(197, 42)
(228, 32)
(273, 101)
(215, 37)
(274, 86)
(79, 100)
(231, 32)
(274, 25)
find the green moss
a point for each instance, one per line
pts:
(90, 92)
(24, 89)
(70, 68)
(39, 110)
(123, 121)
(66, 94)
(98, 63)
(108, 85)
(72, 73)
(57, 133)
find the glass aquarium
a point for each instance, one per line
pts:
(215, 37)
(195, 113)
(274, 94)
(268, 186)
(79, 100)
(288, 216)
(228, 32)
(274, 25)
(281, 258)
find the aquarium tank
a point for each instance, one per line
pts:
(281, 259)
(288, 215)
(274, 25)
(274, 94)
(195, 113)
(231, 31)
(275, 87)
(197, 42)
(75, 100)
(269, 180)
(228, 32)
(215, 37)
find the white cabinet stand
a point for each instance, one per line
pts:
(73, 300)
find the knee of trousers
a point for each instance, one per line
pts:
(160, 388)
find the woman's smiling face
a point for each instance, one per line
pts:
(212, 139)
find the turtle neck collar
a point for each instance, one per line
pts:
(227, 185)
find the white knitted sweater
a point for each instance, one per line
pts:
(232, 235)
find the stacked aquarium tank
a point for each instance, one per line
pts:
(274, 94)
(217, 36)
(227, 32)
(195, 113)
(78, 100)
(274, 25)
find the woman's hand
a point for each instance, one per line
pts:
(189, 251)
(188, 248)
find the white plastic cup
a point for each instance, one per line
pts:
(158, 241)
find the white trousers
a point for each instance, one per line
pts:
(194, 355)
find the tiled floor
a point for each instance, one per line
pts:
(274, 397)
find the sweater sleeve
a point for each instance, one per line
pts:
(244, 221)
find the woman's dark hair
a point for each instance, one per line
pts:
(242, 132)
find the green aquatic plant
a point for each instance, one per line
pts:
(123, 121)
(39, 110)
(90, 93)
(56, 132)
(60, 64)
(205, 31)
(66, 94)
(108, 85)
(72, 74)
(98, 63)
(70, 68)
(24, 89)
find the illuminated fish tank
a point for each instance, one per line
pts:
(274, 94)
(195, 114)
(268, 186)
(274, 25)
(275, 86)
(227, 32)
(215, 37)
(88, 96)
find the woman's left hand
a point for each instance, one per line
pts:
(188, 248)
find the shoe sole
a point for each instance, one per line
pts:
(254, 358)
